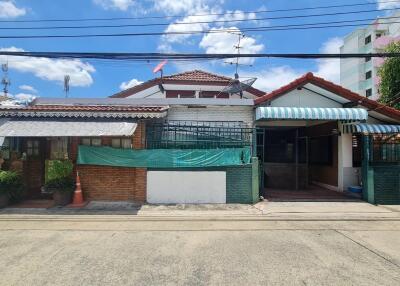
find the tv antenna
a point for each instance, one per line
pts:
(67, 79)
(5, 80)
(236, 86)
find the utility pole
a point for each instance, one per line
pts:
(67, 78)
(5, 80)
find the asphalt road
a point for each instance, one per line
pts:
(127, 251)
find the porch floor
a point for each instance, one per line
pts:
(313, 194)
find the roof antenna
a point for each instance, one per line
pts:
(67, 78)
(5, 80)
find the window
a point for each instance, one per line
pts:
(32, 147)
(180, 94)
(11, 145)
(368, 40)
(357, 150)
(367, 59)
(378, 35)
(213, 94)
(368, 74)
(59, 148)
(368, 92)
(91, 141)
(124, 143)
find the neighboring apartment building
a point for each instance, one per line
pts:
(361, 75)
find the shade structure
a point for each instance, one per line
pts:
(366, 128)
(65, 128)
(310, 113)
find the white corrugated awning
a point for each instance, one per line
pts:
(59, 128)
(366, 128)
(310, 113)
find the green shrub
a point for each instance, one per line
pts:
(65, 184)
(11, 183)
(56, 169)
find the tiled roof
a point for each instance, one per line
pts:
(332, 87)
(189, 77)
(198, 75)
(94, 108)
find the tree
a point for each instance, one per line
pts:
(389, 73)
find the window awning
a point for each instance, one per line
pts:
(60, 128)
(366, 128)
(310, 113)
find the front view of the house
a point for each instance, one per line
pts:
(186, 140)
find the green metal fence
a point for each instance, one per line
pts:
(198, 135)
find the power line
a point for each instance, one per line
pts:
(201, 15)
(215, 31)
(200, 22)
(177, 56)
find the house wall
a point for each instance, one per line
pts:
(212, 113)
(113, 183)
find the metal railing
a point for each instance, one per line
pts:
(198, 135)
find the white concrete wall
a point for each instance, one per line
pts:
(303, 98)
(178, 187)
(212, 113)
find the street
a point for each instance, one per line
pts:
(128, 250)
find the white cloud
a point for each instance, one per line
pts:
(273, 78)
(9, 10)
(28, 88)
(181, 6)
(122, 5)
(329, 69)
(217, 43)
(129, 84)
(51, 69)
(24, 96)
(383, 4)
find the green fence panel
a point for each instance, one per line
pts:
(387, 185)
(163, 158)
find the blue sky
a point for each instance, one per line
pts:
(43, 77)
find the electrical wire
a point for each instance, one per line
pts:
(201, 15)
(200, 22)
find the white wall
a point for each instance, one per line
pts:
(178, 187)
(212, 113)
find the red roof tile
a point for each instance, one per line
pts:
(332, 87)
(189, 77)
(92, 108)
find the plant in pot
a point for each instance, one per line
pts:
(62, 189)
(11, 187)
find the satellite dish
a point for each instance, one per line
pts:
(237, 87)
(160, 66)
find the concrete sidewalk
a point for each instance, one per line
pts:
(260, 211)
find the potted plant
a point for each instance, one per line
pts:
(11, 187)
(62, 189)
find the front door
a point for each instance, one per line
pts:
(34, 166)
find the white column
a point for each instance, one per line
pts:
(345, 159)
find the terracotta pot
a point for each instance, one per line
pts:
(62, 198)
(3, 200)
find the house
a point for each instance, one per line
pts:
(313, 131)
(148, 145)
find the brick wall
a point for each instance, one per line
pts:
(113, 183)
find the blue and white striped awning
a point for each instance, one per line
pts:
(310, 113)
(371, 128)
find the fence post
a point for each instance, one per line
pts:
(367, 172)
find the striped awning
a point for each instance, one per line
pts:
(310, 113)
(366, 128)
